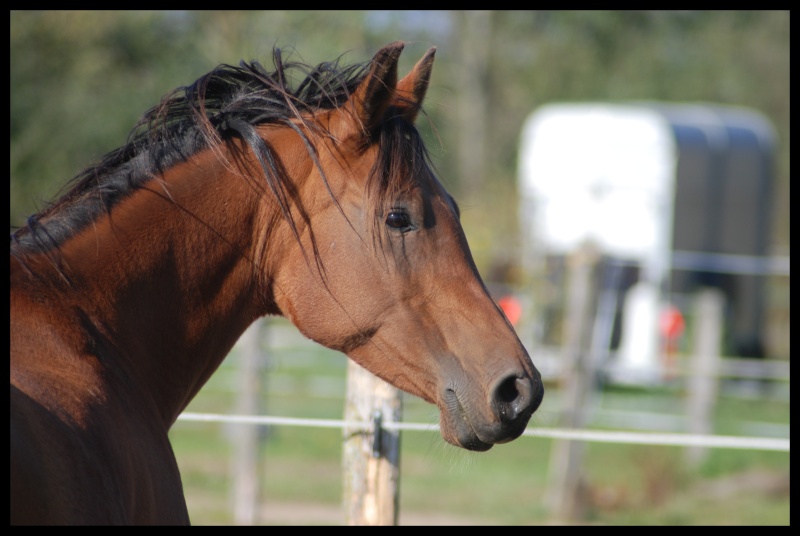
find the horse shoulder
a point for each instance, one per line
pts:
(35, 476)
(79, 453)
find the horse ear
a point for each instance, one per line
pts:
(372, 97)
(411, 89)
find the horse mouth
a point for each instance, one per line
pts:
(456, 427)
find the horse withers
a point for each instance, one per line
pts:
(236, 197)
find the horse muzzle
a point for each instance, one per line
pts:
(500, 418)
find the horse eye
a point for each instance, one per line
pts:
(398, 220)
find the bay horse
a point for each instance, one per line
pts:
(241, 195)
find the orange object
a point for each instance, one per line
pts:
(511, 307)
(671, 325)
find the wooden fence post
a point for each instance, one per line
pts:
(703, 379)
(245, 493)
(371, 458)
(577, 379)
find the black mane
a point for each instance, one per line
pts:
(228, 101)
(225, 103)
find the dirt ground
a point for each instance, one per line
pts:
(287, 513)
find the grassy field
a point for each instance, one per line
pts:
(300, 467)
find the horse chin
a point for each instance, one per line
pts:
(455, 425)
(469, 443)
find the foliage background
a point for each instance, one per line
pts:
(79, 80)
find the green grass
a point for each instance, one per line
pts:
(623, 484)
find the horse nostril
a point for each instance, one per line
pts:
(512, 396)
(507, 390)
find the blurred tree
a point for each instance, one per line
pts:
(70, 72)
(79, 80)
(474, 97)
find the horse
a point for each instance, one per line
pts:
(243, 195)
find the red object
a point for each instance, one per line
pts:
(511, 307)
(672, 323)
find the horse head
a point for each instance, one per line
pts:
(392, 282)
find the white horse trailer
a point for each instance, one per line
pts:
(666, 193)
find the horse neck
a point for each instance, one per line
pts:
(168, 280)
